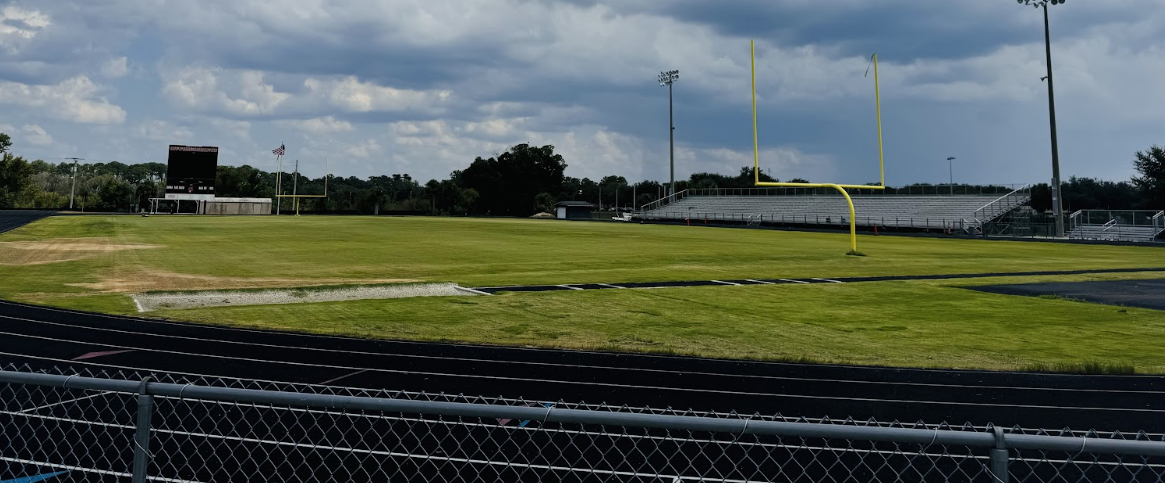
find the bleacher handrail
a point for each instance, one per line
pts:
(982, 216)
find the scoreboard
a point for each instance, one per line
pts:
(190, 172)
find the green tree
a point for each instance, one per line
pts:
(5, 143)
(1151, 182)
(15, 180)
(544, 203)
(508, 183)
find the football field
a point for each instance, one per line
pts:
(97, 262)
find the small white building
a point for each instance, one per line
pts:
(214, 206)
(573, 210)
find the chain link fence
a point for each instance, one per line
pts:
(118, 426)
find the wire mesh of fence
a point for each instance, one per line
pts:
(110, 425)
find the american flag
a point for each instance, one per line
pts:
(279, 150)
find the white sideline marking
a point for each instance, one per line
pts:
(790, 280)
(759, 281)
(467, 289)
(726, 283)
(609, 285)
(826, 280)
(568, 286)
(46, 406)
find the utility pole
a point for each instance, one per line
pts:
(667, 79)
(294, 186)
(74, 188)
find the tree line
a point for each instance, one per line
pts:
(521, 181)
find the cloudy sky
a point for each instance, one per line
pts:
(424, 86)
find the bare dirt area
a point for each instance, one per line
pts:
(157, 280)
(217, 298)
(22, 253)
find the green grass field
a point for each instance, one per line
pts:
(91, 262)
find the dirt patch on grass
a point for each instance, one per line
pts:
(39, 252)
(145, 281)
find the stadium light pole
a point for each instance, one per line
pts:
(951, 169)
(667, 79)
(1057, 201)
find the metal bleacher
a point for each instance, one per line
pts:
(1127, 225)
(964, 212)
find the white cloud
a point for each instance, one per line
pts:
(157, 130)
(18, 25)
(36, 135)
(318, 125)
(115, 68)
(352, 95)
(246, 93)
(199, 88)
(365, 149)
(76, 100)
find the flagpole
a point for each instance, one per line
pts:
(294, 185)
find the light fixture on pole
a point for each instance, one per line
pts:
(950, 163)
(1057, 201)
(667, 79)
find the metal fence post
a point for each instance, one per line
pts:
(999, 458)
(141, 437)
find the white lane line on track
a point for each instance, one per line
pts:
(759, 281)
(620, 386)
(830, 280)
(791, 280)
(609, 285)
(59, 403)
(726, 283)
(579, 366)
(345, 376)
(568, 286)
(323, 337)
(387, 391)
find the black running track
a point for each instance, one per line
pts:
(45, 337)
(779, 281)
(1149, 294)
(12, 219)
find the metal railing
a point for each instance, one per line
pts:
(1002, 205)
(956, 224)
(1129, 225)
(101, 429)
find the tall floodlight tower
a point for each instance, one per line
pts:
(1057, 200)
(667, 79)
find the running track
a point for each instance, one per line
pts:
(45, 337)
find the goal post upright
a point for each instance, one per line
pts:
(841, 188)
(298, 196)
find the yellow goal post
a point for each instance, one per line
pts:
(841, 188)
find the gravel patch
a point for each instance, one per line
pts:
(190, 300)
